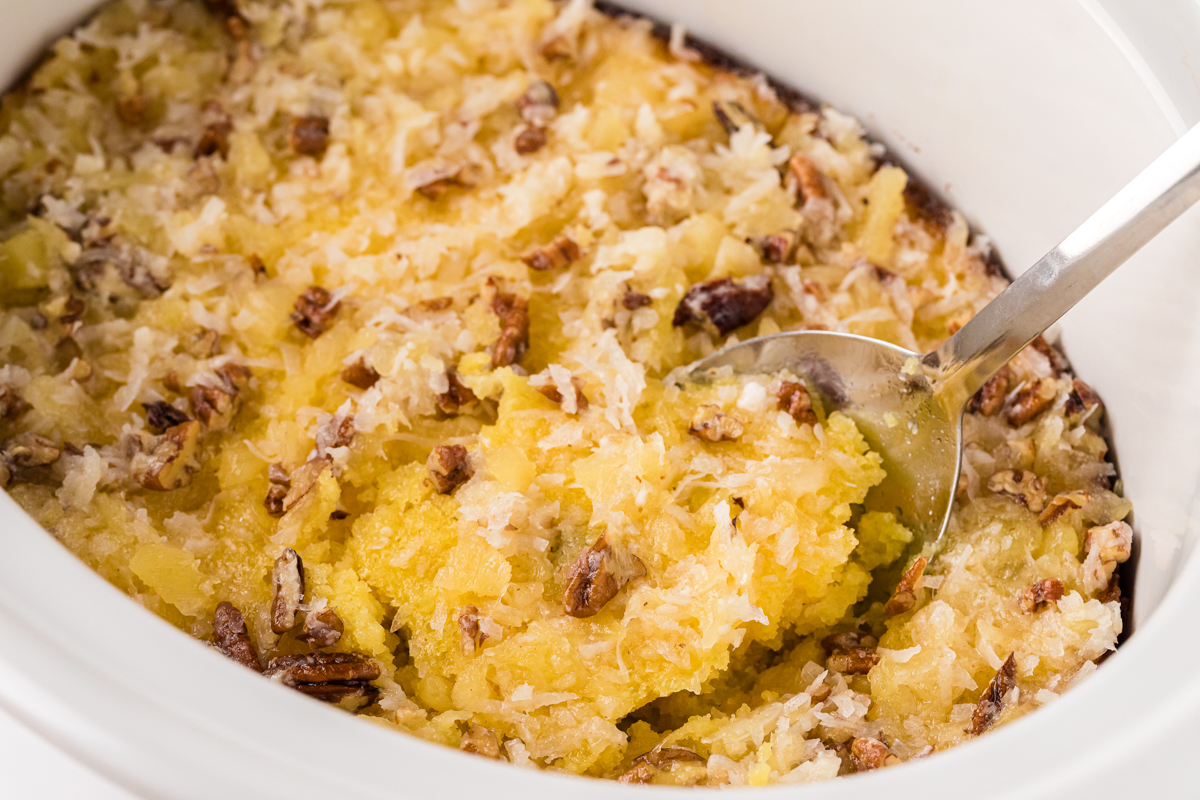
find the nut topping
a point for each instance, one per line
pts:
(850, 652)
(315, 310)
(647, 765)
(1034, 398)
(287, 578)
(231, 637)
(733, 116)
(539, 105)
(448, 467)
(724, 304)
(632, 301)
(1061, 504)
(215, 405)
(456, 398)
(794, 399)
(1106, 546)
(277, 489)
(431, 182)
(804, 180)
(561, 252)
(1021, 486)
(777, 248)
(162, 415)
(360, 374)
(713, 425)
(1039, 595)
(530, 140)
(905, 596)
(170, 460)
(990, 398)
(24, 456)
(513, 311)
(322, 629)
(1080, 402)
(214, 141)
(329, 677)
(597, 575)
(11, 403)
(480, 741)
(992, 701)
(303, 480)
(472, 636)
(867, 754)
(1057, 362)
(309, 136)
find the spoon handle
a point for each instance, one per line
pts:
(1062, 277)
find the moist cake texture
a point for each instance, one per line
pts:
(347, 336)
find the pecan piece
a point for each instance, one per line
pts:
(513, 311)
(25, 457)
(1061, 504)
(12, 404)
(360, 374)
(538, 105)
(480, 741)
(329, 677)
(1033, 398)
(530, 140)
(1021, 486)
(472, 635)
(448, 467)
(214, 141)
(632, 301)
(433, 181)
(597, 575)
(1106, 546)
(926, 206)
(287, 578)
(315, 310)
(990, 397)
(309, 136)
(277, 490)
(304, 480)
(1080, 402)
(794, 399)
(724, 304)
(576, 406)
(1039, 595)
(851, 652)
(216, 404)
(1057, 362)
(161, 415)
(561, 252)
(805, 181)
(777, 248)
(322, 629)
(457, 397)
(231, 637)
(172, 459)
(733, 116)
(868, 754)
(905, 596)
(992, 702)
(661, 758)
(713, 425)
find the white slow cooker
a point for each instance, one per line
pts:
(1027, 115)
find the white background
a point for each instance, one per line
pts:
(30, 769)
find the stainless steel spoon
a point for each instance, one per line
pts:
(908, 405)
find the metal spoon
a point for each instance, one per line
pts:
(908, 405)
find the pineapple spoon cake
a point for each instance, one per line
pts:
(346, 337)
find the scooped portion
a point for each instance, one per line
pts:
(350, 339)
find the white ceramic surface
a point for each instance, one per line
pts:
(1028, 113)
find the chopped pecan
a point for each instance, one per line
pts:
(513, 311)
(1106, 546)
(851, 652)
(448, 467)
(1038, 595)
(231, 637)
(337, 432)
(303, 480)
(794, 399)
(12, 404)
(538, 105)
(1061, 504)
(992, 702)
(990, 398)
(315, 310)
(733, 116)
(119, 275)
(468, 624)
(161, 415)
(287, 580)
(725, 304)
(561, 252)
(360, 374)
(433, 181)
(805, 181)
(480, 741)
(329, 677)
(926, 206)
(905, 596)
(1080, 402)
(322, 629)
(1033, 398)
(661, 758)
(214, 141)
(555, 395)
(712, 425)
(868, 754)
(457, 397)
(216, 404)
(206, 343)
(172, 459)
(25, 457)
(632, 301)
(73, 309)
(1057, 362)
(1021, 486)
(131, 108)
(777, 248)
(256, 264)
(277, 490)
(309, 136)
(846, 641)
(530, 140)
(1112, 592)
(597, 575)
